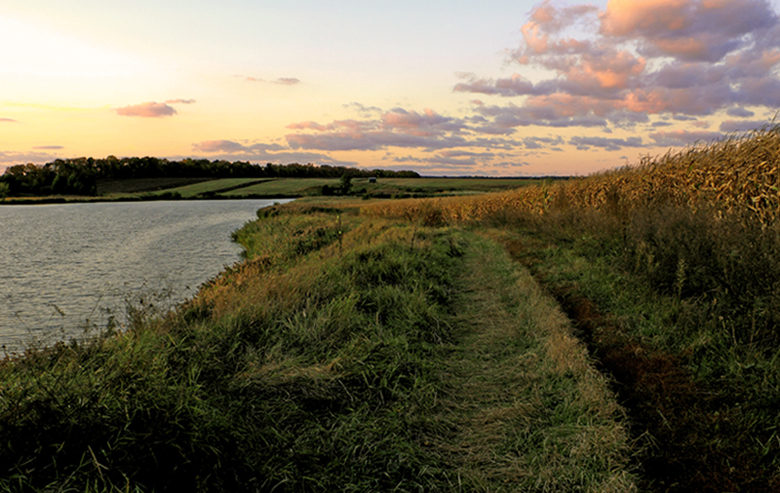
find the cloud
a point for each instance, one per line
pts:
(739, 112)
(637, 58)
(263, 153)
(741, 126)
(515, 85)
(585, 143)
(282, 81)
(180, 101)
(395, 128)
(689, 30)
(676, 138)
(8, 120)
(230, 147)
(51, 148)
(364, 111)
(287, 81)
(8, 158)
(147, 110)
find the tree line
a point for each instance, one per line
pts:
(79, 176)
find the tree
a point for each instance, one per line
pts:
(345, 184)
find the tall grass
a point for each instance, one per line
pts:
(301, 369)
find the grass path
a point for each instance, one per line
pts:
(527, 410)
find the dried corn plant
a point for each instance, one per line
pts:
(737, 173)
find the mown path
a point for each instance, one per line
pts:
(527, 409)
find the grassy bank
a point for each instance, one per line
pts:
(347, 353)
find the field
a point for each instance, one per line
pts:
(612, 333)
(237, 188)
(289, 187)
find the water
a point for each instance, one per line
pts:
(69, 266)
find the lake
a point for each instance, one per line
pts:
(65, 267)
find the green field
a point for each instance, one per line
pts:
(385, 187)
(142, 185)
(213, 186)
(236, 188)
(292, 187)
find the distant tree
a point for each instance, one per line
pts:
(345, 184)
(5, 189)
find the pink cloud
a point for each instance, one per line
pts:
(8, 120)
(306, 126)
(638, 58)
(180, 101)
(693, 30)
(147, 110)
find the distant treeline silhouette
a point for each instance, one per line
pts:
(79, 176)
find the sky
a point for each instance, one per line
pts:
(496, 87)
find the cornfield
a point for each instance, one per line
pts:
(738, 173)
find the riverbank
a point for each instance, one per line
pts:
(348, 352)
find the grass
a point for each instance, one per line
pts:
(340, 355)
(141, 185)
(214, 186)
(414, 345)
(699, 377)
(292, 187)
(670, 271)
(236, 188)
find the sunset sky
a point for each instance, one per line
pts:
(441, 87)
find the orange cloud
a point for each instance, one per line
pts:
(624, 17)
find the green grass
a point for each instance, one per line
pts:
(384, 186)
(141, 185)
(213, 186)
(346, 353)
(679, 308)
(286, 186)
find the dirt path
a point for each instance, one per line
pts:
(526, 408)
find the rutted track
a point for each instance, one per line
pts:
(674, 421)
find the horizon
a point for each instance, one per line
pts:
(500, 89)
